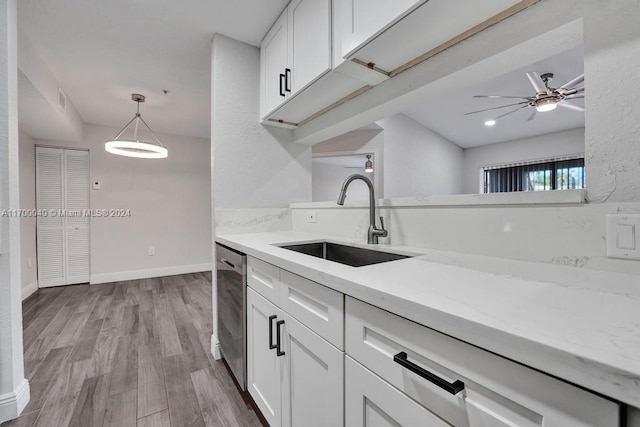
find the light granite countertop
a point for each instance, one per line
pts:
(577, 324)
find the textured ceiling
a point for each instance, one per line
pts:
(102, 51)
(445, 115)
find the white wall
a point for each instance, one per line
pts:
(535, 148)
(252, 169)
(361, 141)
(611, 63)
(28, 259)
(14, 388)
(40, 115)
(327, 182)
(255, 173)
(418, 161)
(169, 201)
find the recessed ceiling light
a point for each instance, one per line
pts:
(490, 123)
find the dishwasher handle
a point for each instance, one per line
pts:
(229, 263)
(454, 388)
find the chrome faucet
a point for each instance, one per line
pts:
(373, 233)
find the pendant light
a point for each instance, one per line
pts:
(134, 147)
(368, 165)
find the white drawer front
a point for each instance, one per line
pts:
(264, 278)
(372, 402)
(319, 308)
(497, 392)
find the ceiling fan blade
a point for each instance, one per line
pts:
(571, 91)
(572, 83)
(532, 115)
(537, 82)
(496, 108)
(576, 96)
(501, 96)
(511, 112)
(565, 104)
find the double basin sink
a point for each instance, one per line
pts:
(344, 254)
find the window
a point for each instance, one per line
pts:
(542, 176)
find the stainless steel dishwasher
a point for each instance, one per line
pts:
(232, 310)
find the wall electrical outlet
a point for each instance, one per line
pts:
(311, 217)
(623, 236)
(152, 251)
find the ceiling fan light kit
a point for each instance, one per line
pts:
(134, 147)
(546, 104)
(546, 98)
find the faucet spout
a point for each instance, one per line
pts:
(373, 233)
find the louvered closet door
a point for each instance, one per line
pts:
(49, 194)
(76, 182)
(62, 186)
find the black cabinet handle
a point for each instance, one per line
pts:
(287, 80)
(271, 345)
(282, 84)
(278, 338)
(454, 388)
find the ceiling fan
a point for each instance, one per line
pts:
(545, 99)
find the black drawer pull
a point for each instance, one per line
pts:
(278, 338)
(454, 388)
(287, 80)
(271, 345)
(282, 84)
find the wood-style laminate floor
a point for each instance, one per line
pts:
(132, 353)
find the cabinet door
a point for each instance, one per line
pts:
(497, 392)
(312, 378)
(273, 62)
(76, 182)
(368, 18)
(264, 278)
(372, 402)
(263, 366)
(309, 41)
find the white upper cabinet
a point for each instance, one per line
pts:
(273, 64)
(395, 35)
(309, 41)
(364, 19)
(323, 53)
(295, 52)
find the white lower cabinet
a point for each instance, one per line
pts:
(263, 366)
(463, 385)
(372, 402)
(294, 375)
(395, 372)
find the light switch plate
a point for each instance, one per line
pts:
(623, 236)
(96, 185)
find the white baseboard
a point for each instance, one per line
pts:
(12, 404)
(29, 290)
(215, 348)
(151, 272)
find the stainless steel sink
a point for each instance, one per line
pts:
(343, 254)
